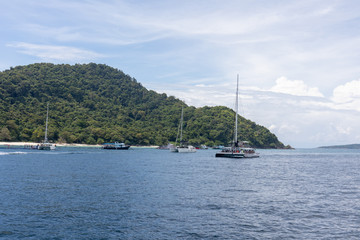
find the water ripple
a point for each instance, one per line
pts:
(151, 194)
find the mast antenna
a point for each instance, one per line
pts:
(46, 125)
(236, 110)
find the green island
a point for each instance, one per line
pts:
(347, 146)
(94, 103)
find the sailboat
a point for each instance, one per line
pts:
(238, 149)
(46, 145)
(183, 148)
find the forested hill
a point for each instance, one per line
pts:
(95, 103)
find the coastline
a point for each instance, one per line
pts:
(23, 144)
(57, 144)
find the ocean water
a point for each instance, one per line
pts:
(87, 193)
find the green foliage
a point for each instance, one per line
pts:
(5, 134)
(94, 103)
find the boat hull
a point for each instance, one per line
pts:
(46, 147)
(229, 155)
(116, 148)
(189, 149)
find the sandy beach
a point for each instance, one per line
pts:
(22, 144)
(57, 144)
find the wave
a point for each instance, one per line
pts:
(12, 153)
(46, 152)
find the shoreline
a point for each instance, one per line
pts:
(57, 144)
(23, 144)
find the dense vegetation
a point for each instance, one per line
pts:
(94, 103)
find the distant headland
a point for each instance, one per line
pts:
(348, 146)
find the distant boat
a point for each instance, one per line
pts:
(115, 146)
(202, 147)
(238, 149)
(183, 147)
(46, 145)
(218, 147)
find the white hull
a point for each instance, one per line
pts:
(183, 148)
(249, 152)
(47, 146)
(116, 146)
(188, 149)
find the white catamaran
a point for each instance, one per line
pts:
(182, 148)
(238, 149)
(46, 145)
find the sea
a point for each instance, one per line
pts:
(91, 193)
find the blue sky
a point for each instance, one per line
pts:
(298, 61)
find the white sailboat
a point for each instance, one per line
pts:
(183, 148)
(238, 149)
(46, 145)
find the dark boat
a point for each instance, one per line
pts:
(230, 152)
(237, 150)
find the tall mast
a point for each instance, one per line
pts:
(236, 110)
(46, 126)
(177, 136)
(181, 122)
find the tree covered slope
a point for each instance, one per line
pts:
(95, 103)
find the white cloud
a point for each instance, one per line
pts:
(302, 120)
(58, 53)
(287, 129)
(295, 87)
(348, 92)
(347, 96)
(344, 130)
(272, 127)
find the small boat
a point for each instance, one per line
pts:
(46, 145)
(183, 148)
(230, 152)
(186, 149)
(218, 147)
(115, 146)
(238, 149)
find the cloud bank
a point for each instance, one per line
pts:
(298, 114)
(297, 60)
(56, 53)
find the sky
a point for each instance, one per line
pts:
(298, 61)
